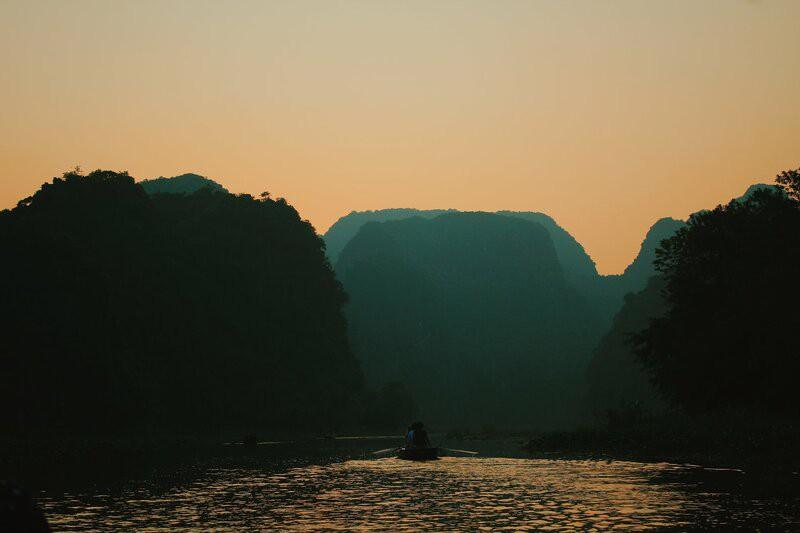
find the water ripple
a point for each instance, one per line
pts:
(452, 494)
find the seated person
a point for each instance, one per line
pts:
(419, 436)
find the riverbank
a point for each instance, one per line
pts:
(755, 444)
(53, 458)
(731, 440)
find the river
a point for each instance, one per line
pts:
(332, 487)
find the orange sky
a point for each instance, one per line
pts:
(604, 114)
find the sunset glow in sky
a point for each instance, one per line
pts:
(606, 115)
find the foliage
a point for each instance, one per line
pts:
(729, 335)
(789, 181)
(121, 310)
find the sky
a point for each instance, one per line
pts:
(606, 115)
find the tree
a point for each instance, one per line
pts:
(122, 311)
(729, 335)
(789, 181)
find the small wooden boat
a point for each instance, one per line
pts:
(418, 454)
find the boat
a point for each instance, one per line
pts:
(418, 454)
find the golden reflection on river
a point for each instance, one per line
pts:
(451, 494)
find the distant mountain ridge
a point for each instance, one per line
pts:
(472, 312)
(603, 293)
(184, 184)
(344, 229)
(636, 275)
(577, 265)
(634, 278)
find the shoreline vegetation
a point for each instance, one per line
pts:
(721, 441)
(89, 459)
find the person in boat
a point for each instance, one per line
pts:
(410, 436)
(419, 436)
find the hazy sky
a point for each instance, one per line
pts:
(604, 114)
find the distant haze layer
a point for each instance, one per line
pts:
(604, 115)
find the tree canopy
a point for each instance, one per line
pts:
(124, 310)
(729, 335)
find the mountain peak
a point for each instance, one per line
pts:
(640, 270)
(751, 190)
(188, 183)
(663, 228)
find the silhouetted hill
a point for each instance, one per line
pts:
(578, 267)
(472, 312)
(641, 269)
(758, 187)
(183, 184)
(125, 311)
(344, 229)
(613, 288)
(603, 293)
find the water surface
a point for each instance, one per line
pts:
(491, 493)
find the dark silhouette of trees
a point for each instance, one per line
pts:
(729, 336)
(206, 310)
(789, 181)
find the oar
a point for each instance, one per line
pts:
(460, 451)
(385, 451)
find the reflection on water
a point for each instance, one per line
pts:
(450, 494)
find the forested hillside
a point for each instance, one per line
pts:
(472, 312)
(199, 311)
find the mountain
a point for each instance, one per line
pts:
(472, 312)
(126, 311)
(641, 269)
(183, 184)
(611, 290)
(344, 229)
(603, 294)
(637, 274)
(758, 187)
(579, 269)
